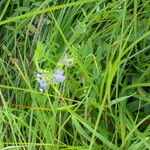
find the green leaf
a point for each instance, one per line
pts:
(80, 129)
(39, 52)
(88, 49)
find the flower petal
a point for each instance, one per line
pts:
(42, 83)
(58, 78)
(38, 74)
(58, 72)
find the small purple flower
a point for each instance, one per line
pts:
(59, 76)
(38, 74)
(42, 82)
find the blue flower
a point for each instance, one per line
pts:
(59, 76)
(38, 74)
(41, 81)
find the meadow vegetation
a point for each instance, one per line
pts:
(75, 74)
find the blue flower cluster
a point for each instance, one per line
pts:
(45, 77)
(58, 77)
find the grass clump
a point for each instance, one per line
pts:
(92, 59)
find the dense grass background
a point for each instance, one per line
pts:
(103, 48)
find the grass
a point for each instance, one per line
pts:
(102, 47)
